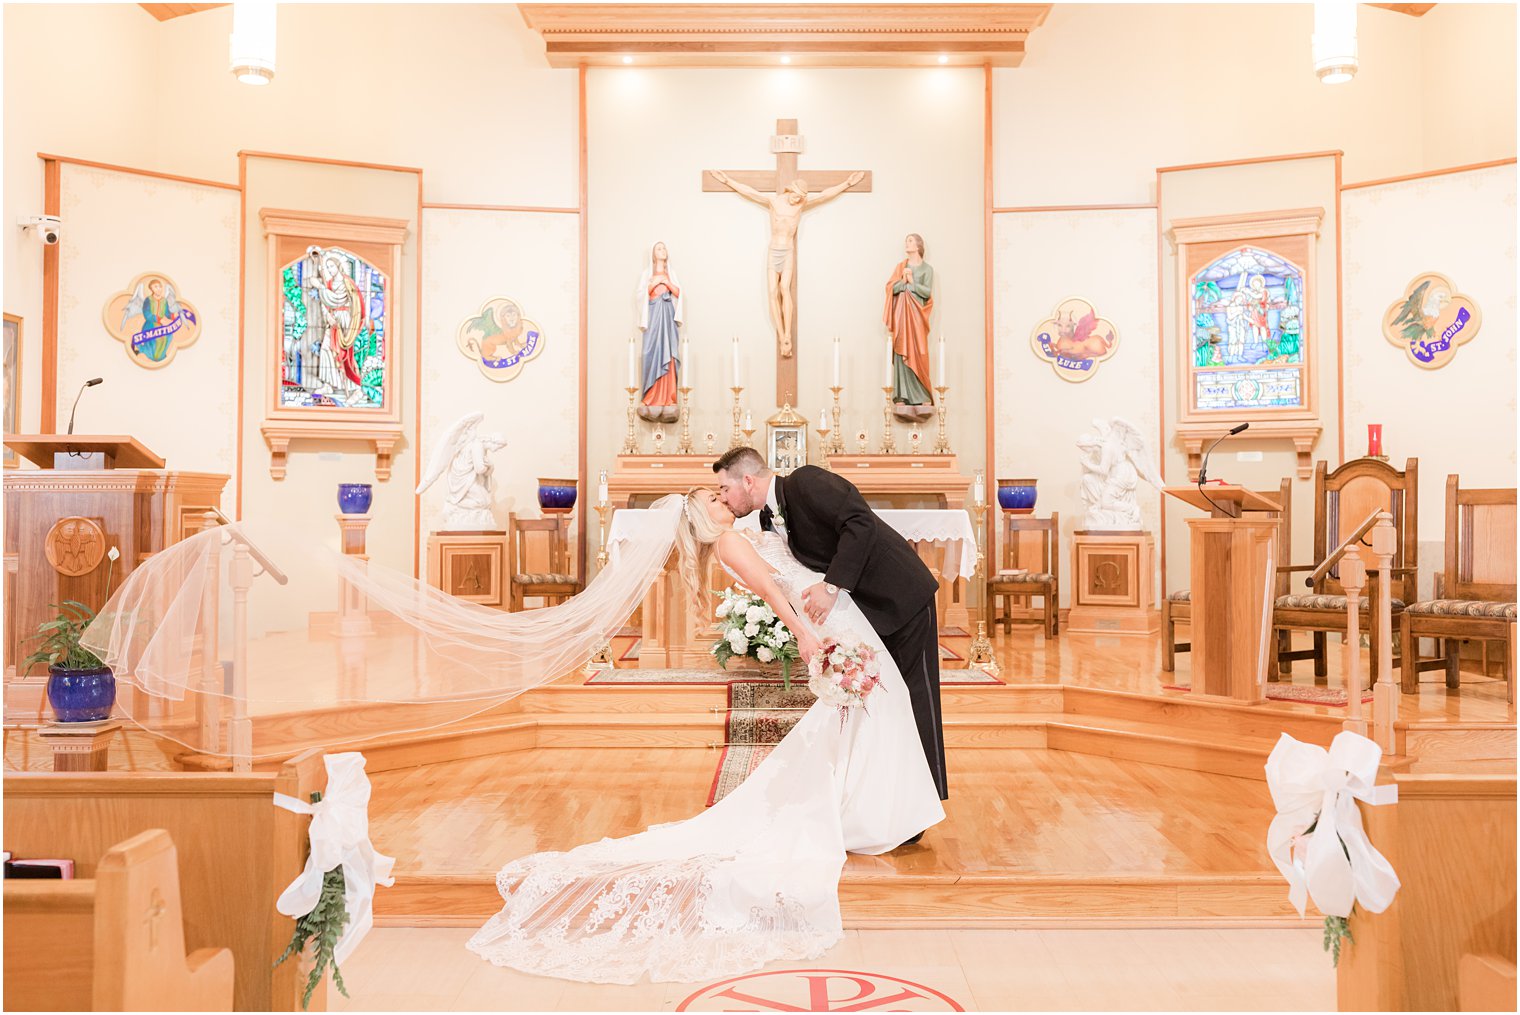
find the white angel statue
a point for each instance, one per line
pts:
(462, 454)
(1114, 460)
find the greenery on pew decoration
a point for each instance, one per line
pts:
(323, 925)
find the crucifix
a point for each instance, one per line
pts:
(790, 195)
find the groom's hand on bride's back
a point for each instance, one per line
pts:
(818, 602)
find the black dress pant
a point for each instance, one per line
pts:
(915, 649)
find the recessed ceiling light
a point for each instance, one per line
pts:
(627, 59)
(785, 58)
(943, 58)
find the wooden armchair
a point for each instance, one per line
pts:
(1178, 607)
(544, 571)
(1041, 572)
(1342, 500)
(1475, 595)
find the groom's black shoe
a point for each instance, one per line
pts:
(913, 840)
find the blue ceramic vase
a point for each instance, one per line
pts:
(1017, 496)
(556, 496)
(355, 498)
(81, 695)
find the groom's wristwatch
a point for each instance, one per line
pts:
(832, 590)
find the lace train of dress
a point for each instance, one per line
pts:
(751, 880)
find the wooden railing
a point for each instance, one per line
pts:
(1353, 578)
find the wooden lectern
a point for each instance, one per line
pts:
(89, 494)
(1232, 571)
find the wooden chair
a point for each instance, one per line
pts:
(1342, 500)
(1041, 577)
(555, 583)
(1475, 594)
(115, 942)
(1178, 607)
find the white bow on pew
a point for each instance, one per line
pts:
(1312, 787)
(339, 837)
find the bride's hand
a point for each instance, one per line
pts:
(808, 644)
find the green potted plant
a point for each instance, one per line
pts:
(80, 687)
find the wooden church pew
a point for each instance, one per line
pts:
(111, 943)
(237, 852)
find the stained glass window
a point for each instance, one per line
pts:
(1249, 333)
(334, 316)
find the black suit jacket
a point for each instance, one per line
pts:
(830, 528)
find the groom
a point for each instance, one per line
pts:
(829, 528)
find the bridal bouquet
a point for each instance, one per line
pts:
(844, 675)
(747, 626)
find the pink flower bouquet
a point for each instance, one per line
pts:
(844, 675)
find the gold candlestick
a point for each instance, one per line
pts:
(631, 441)
(836, 447)
(981, 653)
(684, 447)
(736, 438)
(942, 442)
(602, 657)
(823, 443)
(888, 445)
(749, 436)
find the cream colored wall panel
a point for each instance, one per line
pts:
(533, 259)
(1109, 259)
(119, 225)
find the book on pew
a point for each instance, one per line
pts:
(56, 870)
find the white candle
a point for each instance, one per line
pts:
(736, 362)
(836, 361)
(685, 375)
(890, 378)
(980, 496)
(749, 424)
(633, 364)
(601, 488)
(942, 359)
(823, 419)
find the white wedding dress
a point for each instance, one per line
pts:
(751, 880)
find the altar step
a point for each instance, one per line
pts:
(868, 898)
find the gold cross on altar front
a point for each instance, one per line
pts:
(781, 262)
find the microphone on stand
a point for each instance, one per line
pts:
(87, 384)
(1203, 468)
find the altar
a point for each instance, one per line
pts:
(673, 636)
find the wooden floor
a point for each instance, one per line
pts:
(980, 970)
(1011, 811)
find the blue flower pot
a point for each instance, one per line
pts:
(355, 498)
(1017, 496)
(556, 496)
(81, 695)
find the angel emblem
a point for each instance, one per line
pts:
(462, 454)
(1115, 458)
(151, 319)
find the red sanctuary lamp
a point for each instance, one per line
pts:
(1375, 441)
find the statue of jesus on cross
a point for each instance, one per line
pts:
(787, 206)
(786, 195)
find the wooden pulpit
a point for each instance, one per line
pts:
(1232, 578)
(91, 493)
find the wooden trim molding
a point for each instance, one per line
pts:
(52, 204)
(1035, 208)
(1429, 173)
(1250, 226)
(815, 35)
(349, 228)
(417, 401)
(582, 339)
(1254, 160)
(87, 163)
(537, 209)
(320, 161)
(989, 258)
(383, 437)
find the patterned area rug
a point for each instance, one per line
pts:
(1302, 693)
(946, 653)
(760, 713)
(970, 677)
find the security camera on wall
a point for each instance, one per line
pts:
(47, 228)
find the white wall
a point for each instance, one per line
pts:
(653, 133)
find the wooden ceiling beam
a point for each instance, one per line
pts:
(719, 35)
(167, 12)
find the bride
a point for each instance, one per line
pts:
(753, 879)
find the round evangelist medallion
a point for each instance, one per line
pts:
(75, 546)
(818, 990)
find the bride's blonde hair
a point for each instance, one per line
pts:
(696, 539)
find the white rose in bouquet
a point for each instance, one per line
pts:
(764, 654)
(724, 608)
(782, 635)
(755, 614)
(750, 630)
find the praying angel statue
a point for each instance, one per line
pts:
(462, 454)
(1114, 460)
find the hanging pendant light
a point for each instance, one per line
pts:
(253, 41)
(1334, 41)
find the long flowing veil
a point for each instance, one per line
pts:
(198, 635)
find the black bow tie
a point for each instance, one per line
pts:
(767, 517)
